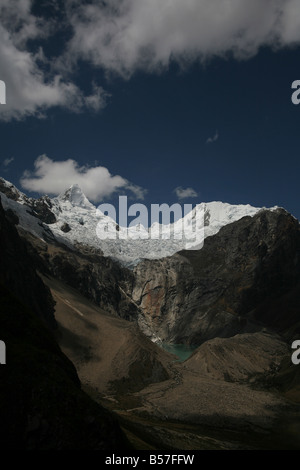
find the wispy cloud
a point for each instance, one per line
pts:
(7, 161)
(213, 139)
(53, 177)
(185, 193)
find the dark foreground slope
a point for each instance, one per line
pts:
(18, 271)
(42, 405)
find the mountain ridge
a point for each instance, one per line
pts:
(71, 218)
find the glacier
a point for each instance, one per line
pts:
(72, 209)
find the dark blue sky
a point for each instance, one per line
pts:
(155, 126)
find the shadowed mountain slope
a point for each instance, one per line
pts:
(42, 405)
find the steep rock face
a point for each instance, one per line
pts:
(18, 273)
(99, 279)
(9, 190)
(227, 287)
(39, 208)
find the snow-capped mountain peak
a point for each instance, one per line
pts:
(75, 196)
(71, 218)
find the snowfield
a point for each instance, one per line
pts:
(84, 224)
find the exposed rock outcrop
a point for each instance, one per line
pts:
(101, 280)
(40, 208)
(234, 284)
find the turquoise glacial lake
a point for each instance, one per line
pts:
(182, 351)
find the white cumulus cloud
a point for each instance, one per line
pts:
(53, 177)
(123, 36)
(30, 90)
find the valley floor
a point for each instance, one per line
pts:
(162, 404)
